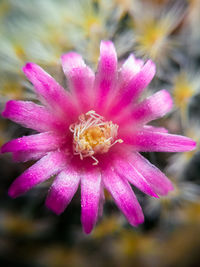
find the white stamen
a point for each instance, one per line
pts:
(93, 135)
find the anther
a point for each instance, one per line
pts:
(93, 135)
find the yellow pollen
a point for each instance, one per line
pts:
(93, 135)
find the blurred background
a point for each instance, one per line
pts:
(165, 31)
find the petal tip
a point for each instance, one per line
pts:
(167, 189)
(106, 43)
(5, 113)
(87, 229)
(12, 192)
(151, 67)
(3, 149)
(70, 61)
(193, 145)
(70, 55)
(155, 195)
(171, 188)
(168, 98)
(28, 66)
(54, 208)
(151, 63)
(107, 48)
(188, 144)
(138, 221)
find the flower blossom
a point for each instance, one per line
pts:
(92, 134)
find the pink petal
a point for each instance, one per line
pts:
(134, 88)
(90, 198)
(124, 197)
(156, 129)
(30, 115)
(129, 69)
(49, 165)
(106, 74)
(156, 179)
(147, 141)
(101, 201)
(37, 142)
(80, 79)
(63, 189)
(49, 91)
(152, 108)
(127, 171)
(21, 156)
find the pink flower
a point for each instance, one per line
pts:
(92, 135)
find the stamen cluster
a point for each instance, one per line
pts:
(93, 135)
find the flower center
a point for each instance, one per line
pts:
(93, 135)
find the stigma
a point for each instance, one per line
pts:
(93, 135)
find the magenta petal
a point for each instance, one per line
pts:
(124, 197)
(135, 87)
(150, 109)
(127, 170)
(80, 79)
(63, 189)
(128, 70)
(155, 129)
(49, 165)
(156, 179)
(49, 91)
(147, 141)
(30, 115)
(37, 142)
(101, 201)
(23, 156)
(106, 74)
(90, 198)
